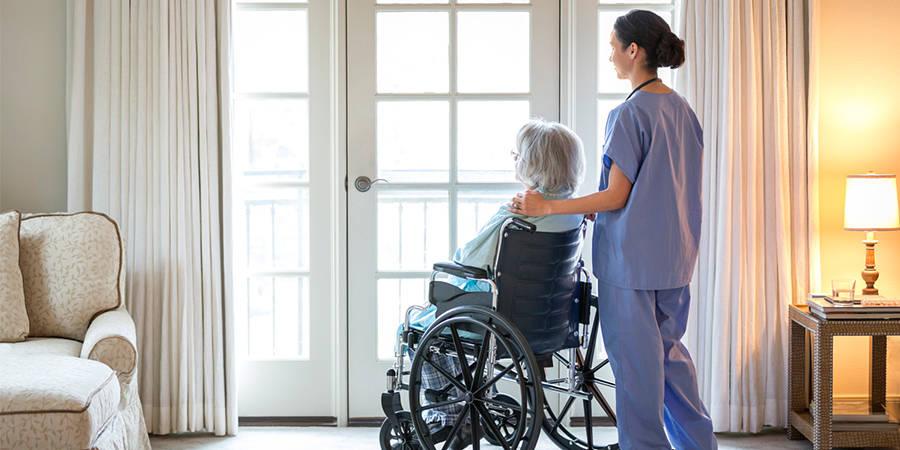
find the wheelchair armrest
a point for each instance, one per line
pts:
(459, 270)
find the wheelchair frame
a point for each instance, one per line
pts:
(577, 383)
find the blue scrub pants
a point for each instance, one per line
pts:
(656, 383)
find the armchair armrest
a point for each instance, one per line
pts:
(459, 270)
(111, 339)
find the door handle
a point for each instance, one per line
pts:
(364, 183)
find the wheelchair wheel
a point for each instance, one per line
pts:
(505, 419)
(557, 424)
(465, 335)
(398, 438)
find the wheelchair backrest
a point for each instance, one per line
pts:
(537, 278)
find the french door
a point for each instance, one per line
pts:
(284, 182)
(437, 90)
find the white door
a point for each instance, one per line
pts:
(436, 93)
(283, 214)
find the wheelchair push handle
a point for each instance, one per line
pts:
(521, 223)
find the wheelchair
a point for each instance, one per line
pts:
(540, 304)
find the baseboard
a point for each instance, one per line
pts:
(365, 422)
(287, 421)
(602, 421)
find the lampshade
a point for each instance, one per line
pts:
(871, 203)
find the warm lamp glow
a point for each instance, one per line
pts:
(870, 206)
(871, 203)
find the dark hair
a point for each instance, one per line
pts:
(652, 33)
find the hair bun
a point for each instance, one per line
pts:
(669, 50)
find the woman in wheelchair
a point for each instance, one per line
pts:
(549, 159)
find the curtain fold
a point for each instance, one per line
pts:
(751, 84)
(148, 102)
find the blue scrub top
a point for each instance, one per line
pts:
(651, 243)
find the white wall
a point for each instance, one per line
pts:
(33, 105)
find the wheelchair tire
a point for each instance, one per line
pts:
(505, 419)
(475, 380)
(398, 438)
(557, 424)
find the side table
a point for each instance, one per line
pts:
(816, 425)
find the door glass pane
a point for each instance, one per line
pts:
(607, 82)
(493, 51)
(412, 2)
(413, 230)
(271, 311)
(413, 141)
(518, 2)
(394, 297)
(277, 232)
(476, 207)
(413, 52)
(487, 132)
(271, 51)
(271, 139)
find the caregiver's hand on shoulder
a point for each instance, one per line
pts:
(529, 203)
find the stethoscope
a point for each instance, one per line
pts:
(640, 86)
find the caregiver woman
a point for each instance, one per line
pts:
(646, 234)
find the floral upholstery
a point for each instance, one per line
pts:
(13, 316)
(72, 383)
(71, 265)
(55, 402)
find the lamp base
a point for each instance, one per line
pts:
(869, 275)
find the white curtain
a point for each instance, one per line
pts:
(750, 74)
(147, 99)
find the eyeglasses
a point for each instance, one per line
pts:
(514, 154)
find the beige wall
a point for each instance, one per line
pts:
(859, 131)
(33, 105)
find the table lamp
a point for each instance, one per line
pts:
(870, 206)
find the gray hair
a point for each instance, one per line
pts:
(551, 156)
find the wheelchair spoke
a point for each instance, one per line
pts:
(491, 425)
(483, 353)
(562, 413)
(487, 385)
(461, 355)
(451, 378)
(457, 427)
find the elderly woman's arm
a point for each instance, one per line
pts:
(532, 203)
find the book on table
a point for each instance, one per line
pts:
(821, 307)
(864, 415)
(853, 410)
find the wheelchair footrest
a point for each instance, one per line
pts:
(390, 404)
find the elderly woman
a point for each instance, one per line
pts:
(549, 159)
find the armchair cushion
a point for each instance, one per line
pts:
(71, 268)
(13, 315)
(55, 401)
